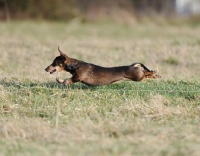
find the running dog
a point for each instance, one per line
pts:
(94, 75)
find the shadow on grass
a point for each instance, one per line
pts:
(54, 85)
(50, 85)
(187, 90)
(26, 83)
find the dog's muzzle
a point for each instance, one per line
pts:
(51, 72)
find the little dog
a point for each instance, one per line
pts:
(94, 75)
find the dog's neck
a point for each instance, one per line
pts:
(72, 66)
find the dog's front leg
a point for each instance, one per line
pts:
(65, 82)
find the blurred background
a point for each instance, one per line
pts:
(159, 33)
(95, 10)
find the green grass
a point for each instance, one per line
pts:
(154, 117)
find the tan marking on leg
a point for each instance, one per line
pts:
(65, 82)
(153, 74)
(59, 80)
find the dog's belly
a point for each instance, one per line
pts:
(99, 83)
(103, 80)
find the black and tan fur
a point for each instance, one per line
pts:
(94, 75)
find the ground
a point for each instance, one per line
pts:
(38, 116)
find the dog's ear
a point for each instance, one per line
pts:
(62, 54)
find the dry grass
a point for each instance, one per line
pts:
(158, 117)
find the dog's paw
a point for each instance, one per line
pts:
(157, 76)
(153, 71)
(59, 80)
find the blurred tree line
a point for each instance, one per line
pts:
(85, 9)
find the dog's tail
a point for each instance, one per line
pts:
(141, 65)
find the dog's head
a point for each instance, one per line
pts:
(58, 63)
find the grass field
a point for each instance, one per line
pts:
(152, 117)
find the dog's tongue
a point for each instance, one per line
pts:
(52, 71)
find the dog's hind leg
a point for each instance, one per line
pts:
(147, 72)
(152, 74)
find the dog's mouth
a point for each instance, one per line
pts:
(51, 72)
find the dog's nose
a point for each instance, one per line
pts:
(46, 69)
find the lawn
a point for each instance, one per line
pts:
(154, 117)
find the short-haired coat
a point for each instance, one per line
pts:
(94, 75)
